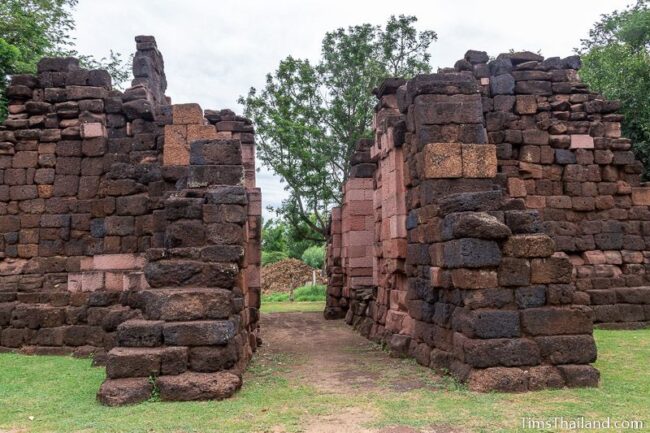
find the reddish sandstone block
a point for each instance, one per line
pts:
(531, 171)
(93, 130)
(529, 245)
(595, 257)
(176, 150)
(443, 160)
(641, 196)
(118, 262)
(582, 141)
(185, 114)
(479, 160)
(516, 187)
(526, 104)
(551, 270)
(201, 132)
(91, 281)
(474, 278)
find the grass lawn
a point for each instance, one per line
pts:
(59, 393)
(293, 307)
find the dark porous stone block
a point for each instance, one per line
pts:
(191, 386)
(222, 253)
(198, 333)
(215, 152)
(487, 298)
(444, 83)
(609, 241)
(500, 352)
(118, 392)
(556, 321)
(445, 109)
(215, 175)
(514, 272)
(208, 359)
(543, 88)
(500, 379)
(580, 375)
(523, 221)
(123, 362)
(471, 253)
(183, 208)
(502, 84)
(185, 233)
(489, 324)
(471, 201)
(567, 349)
(135, 333)
(565, 156)
(185, 303)
(530, 297)
(473, 225)
(226, 195)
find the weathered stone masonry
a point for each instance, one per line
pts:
(509, 216)
(130, 230)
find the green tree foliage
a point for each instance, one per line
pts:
(281, 240)
(616, 62)
(31, 29)
(270, 257)
(309, 117)
(314, 256)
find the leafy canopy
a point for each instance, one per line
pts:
(32, 29)
(281, 240)
(309, 116)
(616, 62)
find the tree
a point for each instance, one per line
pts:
(616, 63)
(32, 29)
(309, 117)
(285, 240)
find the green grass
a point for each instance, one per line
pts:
(59, 392)
(308, 293)
(292, 307)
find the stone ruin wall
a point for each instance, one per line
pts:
(507, 216)
(130, 230)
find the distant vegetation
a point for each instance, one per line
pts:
(31, 29)
(301, 294)
(616, 62)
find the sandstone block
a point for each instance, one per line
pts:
(479, 160)
(443, 160)
(185, 114)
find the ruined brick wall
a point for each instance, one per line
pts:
(351, 254)
(516, 146)
(97, 188)
(561, 149)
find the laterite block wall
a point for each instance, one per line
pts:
(130, 230)
(523, 224)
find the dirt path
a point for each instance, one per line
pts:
(333, 358)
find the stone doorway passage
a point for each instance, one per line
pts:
(496, 216)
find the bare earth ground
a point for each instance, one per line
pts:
(331, 357)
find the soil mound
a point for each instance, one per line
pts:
(283, 275)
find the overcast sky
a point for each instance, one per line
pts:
(215, 50)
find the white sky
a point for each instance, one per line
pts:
(215, 50)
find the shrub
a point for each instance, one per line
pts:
(269, 257)
(314, 256)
